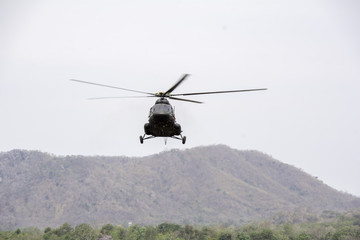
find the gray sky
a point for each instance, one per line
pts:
(307, 53)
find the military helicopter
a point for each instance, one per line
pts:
(161, 122)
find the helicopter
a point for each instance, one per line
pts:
(161, 120)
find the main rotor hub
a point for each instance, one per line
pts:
(162, 94)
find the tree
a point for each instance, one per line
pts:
(303, 236)
(346, 232)
(357, 219)
(265, 234)
(66, 228)
(83, 232)
(150, 233)
(118, 233)
(136, 233)
(224, 236)
(242, 236)
(289, 230)
(188, 233)
(168, 227)
(208, 233)
(107, 229)
(32, 233)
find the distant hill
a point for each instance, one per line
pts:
(203, 185)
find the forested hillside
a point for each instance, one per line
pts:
(204, 185)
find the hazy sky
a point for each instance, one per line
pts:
(307, 53)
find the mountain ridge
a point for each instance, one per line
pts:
(202, 185)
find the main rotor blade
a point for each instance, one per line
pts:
(176, 84)
(103, 85)
(231, 91)
(186, 100)
(97, 98)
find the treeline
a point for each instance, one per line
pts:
(331, 227)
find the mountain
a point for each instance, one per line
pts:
(203, 185)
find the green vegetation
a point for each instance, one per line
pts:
(329, 226)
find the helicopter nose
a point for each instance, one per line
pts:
(161, 117)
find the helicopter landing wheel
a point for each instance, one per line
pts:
(183, 139)
(141, 139)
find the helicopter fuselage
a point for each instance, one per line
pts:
(162, 121)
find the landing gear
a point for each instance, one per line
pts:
(142, 138)
(182, 138)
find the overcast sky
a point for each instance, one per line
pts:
(307, 54)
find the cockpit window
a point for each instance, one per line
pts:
(161, 109)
